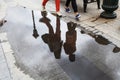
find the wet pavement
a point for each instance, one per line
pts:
(51, 49)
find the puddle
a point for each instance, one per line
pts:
(48, 47)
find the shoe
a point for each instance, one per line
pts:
(43, 8)
(67, 10)
(77, 16)
(59, 14)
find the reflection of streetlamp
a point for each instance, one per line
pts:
(35, 33)
(109, 6)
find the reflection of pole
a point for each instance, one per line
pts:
(35, 33)
(33, 19)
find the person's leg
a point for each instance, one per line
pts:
(75, 8)
(57, 3)
(67, 6)
(44, 2)
(67, 3)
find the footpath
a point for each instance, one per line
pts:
(89, 22)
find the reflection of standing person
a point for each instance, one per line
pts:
(57, 3)
(52, 39)
(70, 44)
(74, 6)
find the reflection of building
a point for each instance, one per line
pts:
(70, 44)
(52, 39)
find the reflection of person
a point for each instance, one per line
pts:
(57, 2)
(70, 44)
(52, 39)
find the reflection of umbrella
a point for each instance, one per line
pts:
(35, 33)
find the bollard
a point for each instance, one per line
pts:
(109, 6)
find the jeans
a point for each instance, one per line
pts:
(74, 5)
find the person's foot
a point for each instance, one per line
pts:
(67, 10)
(77, 16)
(59, 14)
(43, 8)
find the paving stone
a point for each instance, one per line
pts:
(3, 37)
(6, 47)
(61, 76)
(4, 72)
(6, 78)
(10, 59)
(2, 59)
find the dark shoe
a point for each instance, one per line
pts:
(67, 10)
(77, 16)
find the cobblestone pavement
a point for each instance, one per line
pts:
(108, 63)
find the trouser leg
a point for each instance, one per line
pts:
(85, 4)
(44, 2)
(74, 5)
(98, 3)
(67, 3)
(57, 2)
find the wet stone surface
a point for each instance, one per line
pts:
(52, 49)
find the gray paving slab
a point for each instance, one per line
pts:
(4, 71)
